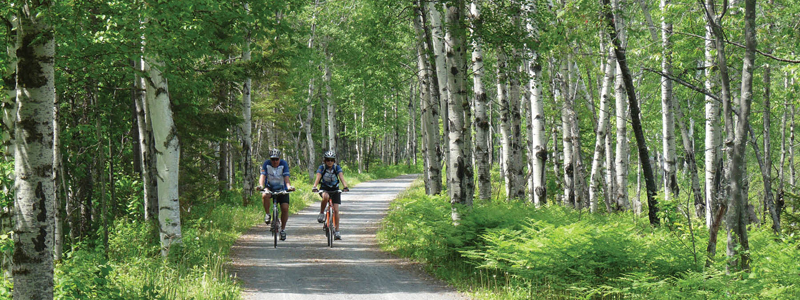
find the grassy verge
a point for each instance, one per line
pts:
(505, 250)
(134, 268)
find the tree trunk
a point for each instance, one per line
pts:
(602, 127)
(458, 106)
(34, 185)
(539, 135)
(766, 170)
(309, 124)
(688, 150)
(441, 94)
(505, 122)
(516, 188)
(58, 174)
(147, 156)
(481, 122)
(428, 110)
(737, 218)
(247, 126)
(168, 156)
(668, 119)
(619, 51)
(566, 135)
(331, 103)
(621, 110)
(713, 140)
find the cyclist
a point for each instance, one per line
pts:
(275, 178)
(329, 174)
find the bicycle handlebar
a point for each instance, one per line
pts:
(283, 192)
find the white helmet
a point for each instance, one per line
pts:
(329, 154)
(274, 153)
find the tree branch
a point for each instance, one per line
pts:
(684, 83)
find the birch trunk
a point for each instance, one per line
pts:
(668, 119)
(505, 121)
(442, 94)
(247, 127)
(516, 188)
(34, 184)
(688, 149)
(331, 103)
(538, 136)
(310, 106)
(580, 186)
(146, 145)
(168, 157)
(713, 139)
(58, 174)
(428, 111)
(458, 106)
(602, 127)
(566, 134)
(481, 122)
(8, 101)
(766, 170)
(621, 110)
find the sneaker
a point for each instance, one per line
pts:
(337, 236)
(267, 219)
(321, 218)
(283, 235)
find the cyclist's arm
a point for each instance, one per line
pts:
(341, 178)
(317, 177)
(262, 180)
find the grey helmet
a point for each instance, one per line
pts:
(274, 153)
(329, 154)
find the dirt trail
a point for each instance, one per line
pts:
(303, 267)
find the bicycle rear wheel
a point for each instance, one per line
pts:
(275, 226)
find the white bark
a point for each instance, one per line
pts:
(538, 136)
(458, 106)
(440, 66)
(168, 157)
(668, 117)
(621, 105)
(713, 140)
(566, 135)
(505, 122)
(602, 130)
(331, 103)
(309, 123)
(247, 126)
(482, 151)
(430, 128)
(34, 185)
(516, 187)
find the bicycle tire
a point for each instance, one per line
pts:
(331, 229)
(275, 227)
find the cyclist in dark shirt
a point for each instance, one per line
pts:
(275, 178)
(329, 175)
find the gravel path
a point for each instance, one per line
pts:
(303, 267)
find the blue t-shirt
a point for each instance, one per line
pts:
(275, 175)
(330, 179)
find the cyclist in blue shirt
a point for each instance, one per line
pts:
(329, 175)
(275, 178)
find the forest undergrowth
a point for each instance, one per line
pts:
(133, 267)
(512, 250)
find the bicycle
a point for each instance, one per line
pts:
(275, 226)
(329, 226)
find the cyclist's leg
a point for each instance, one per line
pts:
(324, 200)
(265, 200)
(336, 214)
(284, 201)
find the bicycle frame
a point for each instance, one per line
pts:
(330, 218)
(275, 227)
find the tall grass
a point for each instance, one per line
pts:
(504, 250)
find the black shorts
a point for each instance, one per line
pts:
(281, 198)
(336, 197)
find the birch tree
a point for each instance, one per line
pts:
(437, 46)
(331, 101)
(602, 127)
(481, 122)
(621, 121)
(668, 118)
(538, 136)
(430, 128)
(247, 124)
(310, 105)
(34, 184)
(713, 139)
(168, 156)
(458, 106)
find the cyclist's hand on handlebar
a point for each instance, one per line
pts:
(314, 190)
(346, 189)
(290, 188)
(259, 188)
